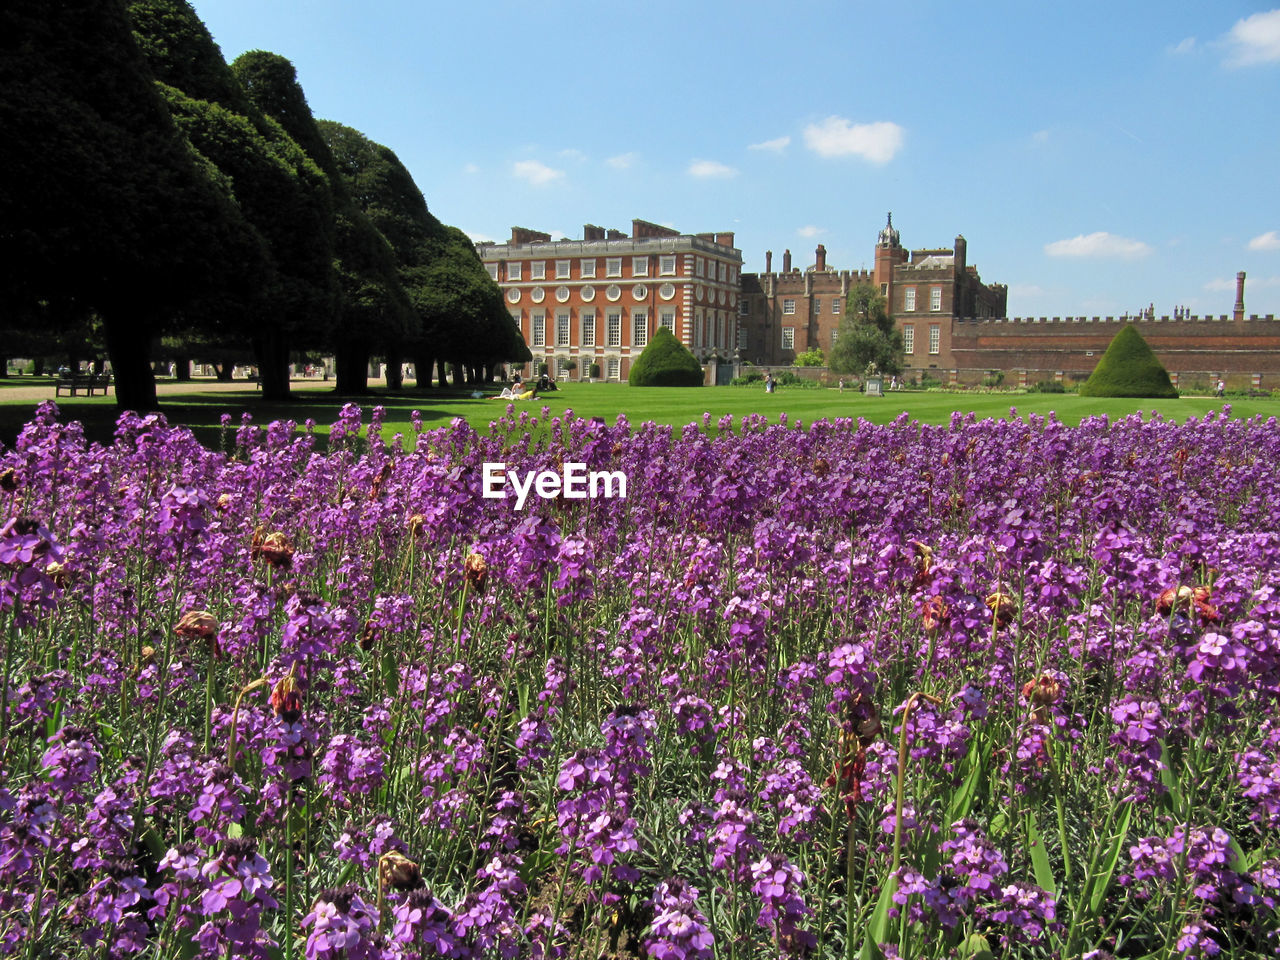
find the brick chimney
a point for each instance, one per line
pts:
(591, 232)
(786, 261)
(768, 261)
(1239, 311)
(962, 249)
(821, 254)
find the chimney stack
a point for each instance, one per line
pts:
(768, 261)
(786, 261)
(821, 255)
(1239, 311)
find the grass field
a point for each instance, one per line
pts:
(202, 409)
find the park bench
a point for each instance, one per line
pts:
(87, 383)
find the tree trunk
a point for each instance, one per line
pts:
(131, 366)
(351, 373)
(442, 369)
(223, 371)
(183, 365)
(272, 350)
(99, 366)
(423, 366)
(37, 366)
(4, 367)
(395, 370)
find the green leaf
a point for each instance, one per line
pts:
(878, 926)
(1102, 881)
(1170, 781)
(1040, 857)
(976, 947)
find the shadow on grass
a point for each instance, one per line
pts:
(202, 412)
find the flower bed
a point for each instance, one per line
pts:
(835, 691)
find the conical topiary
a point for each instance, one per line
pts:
(1128, 368)
(665, 363)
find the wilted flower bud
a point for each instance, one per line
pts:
(398, 872)
(476, 571)
(934, 613)
(415, 524)
(1041, 693)
(275, 548)
(286, 699)
(58, 573)
(368, 636)
(1002, 606)
(224, 501)
(821, 467)
(8, 480)
(197, 624)
(1183, 597)
(924, 562)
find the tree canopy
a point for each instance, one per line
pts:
(866, 335)
(666, 362)
(1128, 368)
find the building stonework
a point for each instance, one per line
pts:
(599, 299)
(955, 327)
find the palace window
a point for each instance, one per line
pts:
(667, 318)
(788, 338)
(513, 271)
(788, 307)
(835, 305)
(639, 328)
(562, 329)
(538, 270)
(744, 307)
(613, 267)
(817, 306)
(935, 337)
(493, 270)
(667, 266)
(699, 267)
(935, 299)
(613, 333)
(639, 266)
(588, 328)
(909, 298)
(587, 269)
(539, 321)
(908, 339)
(564, 269)
(613, 367)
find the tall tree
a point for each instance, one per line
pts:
(375, 312)
(281, 192)
(104, 208)
(866, 335)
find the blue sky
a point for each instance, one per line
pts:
(1097, 157)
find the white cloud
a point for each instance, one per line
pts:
(1184, 46)
(471, 168)
(622, 161)
(809, 231)
(838, 137)
(1100, 244)
(777, 145)
(571, 153)
(1266, 241)
(1255, 39)
(707, 169)
(479, 237)
(1252, 283)
(539, 174)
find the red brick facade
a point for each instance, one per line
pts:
(600, 299)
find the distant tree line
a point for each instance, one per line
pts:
(158, 203)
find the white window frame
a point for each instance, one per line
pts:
(835, 305)
(744, 307)
(817, 306)
(562, 328)
(788, 338)
(909, 299)
(724, 272)
(639, 266)
(588, 326)
(639, 328)
(613, 328)
(835, 335)
(564, 269)
(537, 269)
(493, 270)
(513, 270)
(538, 322)
(613, 267)
(935, 339)
(699, 267)
(908, 338)
(788, 307)
(935, 299)
(613, 368)
(697, 328)
(587, 269)
(667, 266)
(667, 318)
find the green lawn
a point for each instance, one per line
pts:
(669, 405)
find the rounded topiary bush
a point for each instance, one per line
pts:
(665, 363)
(1129, 368)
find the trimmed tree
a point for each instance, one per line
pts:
(866, 335)
(1129, 368)
(665, 363)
